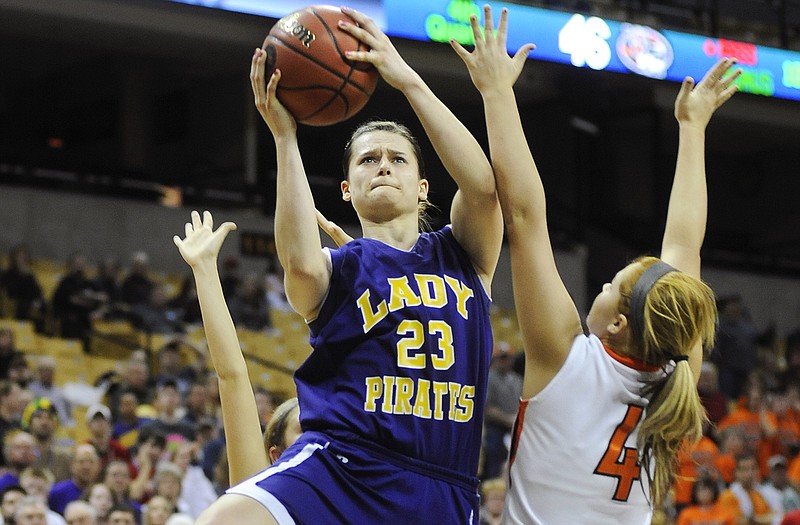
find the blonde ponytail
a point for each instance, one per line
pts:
(674, 415)
(679, 312)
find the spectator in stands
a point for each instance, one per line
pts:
(196, 404)
(742, 499)
(157, 511)
(19, 372)
(99, 497)
(122, 515)
(154, 314)
(85, 469)
(780, 495)
(265, 405)
(248, 306)
(171, 412)
(22, 287)
(169, 367)
(149, 448)
(493, 496)
(168, 484)
(787, 441)
(127, 423)
(732, 445)
(184, 304)
(736, 351)
(37, 482)
(79, 512)
(694, 461)
(502, 404)
(273, 281)
(107, 281)
(759, 425)
(75, 299)
(118, 480)
(8, 351)
(197, 492)
(30, 511)
(135, 379)
(705, 508)
(41, 420)
(43, 386)
(136, 287)
(229, 277)
(20, 452)
(98, 417)
(10, 393)
(9, 498)
(714, 401)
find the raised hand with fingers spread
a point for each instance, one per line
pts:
(489, 64)
(695, 104)
(202, 243)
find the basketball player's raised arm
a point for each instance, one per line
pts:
(297, 240)
(245, 447)
(548, 317)
(475, 212)
(688, 203)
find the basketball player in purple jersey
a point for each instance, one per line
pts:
(392, 397)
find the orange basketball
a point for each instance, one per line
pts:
(319, 86)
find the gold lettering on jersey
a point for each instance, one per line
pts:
(371, 317)
(463, 293)
(425, 290)
(432, 291)
(420, 398)
(422, 404)
(402, 294)
(291, 25)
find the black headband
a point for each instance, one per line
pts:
(639, 295)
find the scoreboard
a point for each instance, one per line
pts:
(596, 43)
(570, 38)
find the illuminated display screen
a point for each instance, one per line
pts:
(601, 44)
(582, 41)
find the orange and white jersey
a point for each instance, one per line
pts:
(574, 457)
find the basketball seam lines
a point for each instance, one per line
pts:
(320, 64)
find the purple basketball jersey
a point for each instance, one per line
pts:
(401, 353)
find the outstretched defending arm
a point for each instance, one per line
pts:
(245, 446)
(548, 318)
(688, 201)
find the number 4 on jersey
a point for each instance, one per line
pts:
(619, 461)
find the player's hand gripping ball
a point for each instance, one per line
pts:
(319, 86)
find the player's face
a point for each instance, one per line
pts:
(605, 309)
(383, 176)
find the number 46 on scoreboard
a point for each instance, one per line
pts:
(585, 40)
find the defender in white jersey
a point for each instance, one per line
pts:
(603, 415)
